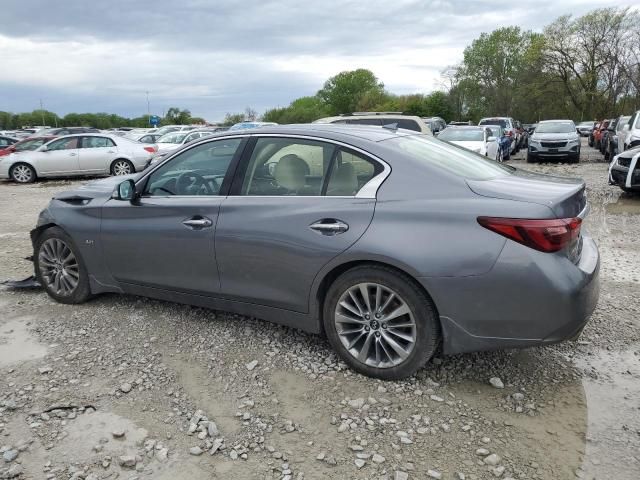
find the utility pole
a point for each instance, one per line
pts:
(42, 112)
(148, 109)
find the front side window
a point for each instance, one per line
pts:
(63, 144)
(96, 142)
(197, 171)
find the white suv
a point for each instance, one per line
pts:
(629, 137)
(381, 119)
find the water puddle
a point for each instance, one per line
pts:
(17, 345)
(612, 388)
(89, 429)
(624, 205)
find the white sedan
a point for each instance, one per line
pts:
(174, 140)
(75, 155)
(476, 139)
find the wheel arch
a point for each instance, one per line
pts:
(327, 278)
(23, 162)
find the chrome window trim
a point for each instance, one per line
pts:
(369, 190)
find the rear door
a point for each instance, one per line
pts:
(60, 157)
(293, 207)
(96, 154)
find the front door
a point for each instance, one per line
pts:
(60, 157)
(96, 154)
(165, 239)
(293, 208)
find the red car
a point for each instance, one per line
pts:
(27, 144)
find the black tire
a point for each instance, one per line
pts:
(22, 173)
(120, 163)
(531, 158)
(82, 292)
(574, 158)
(427, 326)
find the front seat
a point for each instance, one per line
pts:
(291, 173)
(343, 182)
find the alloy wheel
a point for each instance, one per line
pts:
(375, 325)
(58, 266)
(121, 168)
(22, 174)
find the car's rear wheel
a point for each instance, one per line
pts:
(122, 167)
(22, 173)
(531, 158)
(380, 322)
(59, 267)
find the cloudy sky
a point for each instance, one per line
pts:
(217, 56)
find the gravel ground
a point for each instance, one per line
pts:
(126, 387)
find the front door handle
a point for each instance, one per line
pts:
(329, 226)
(72, 154)
(197, 222)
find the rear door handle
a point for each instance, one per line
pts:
(329, 226)
(72, 154)
(197, 222)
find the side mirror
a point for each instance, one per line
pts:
(44, 148)
(491, 139)
(125, 191)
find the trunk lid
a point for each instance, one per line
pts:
(566, 197)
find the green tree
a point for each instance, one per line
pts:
(176, 116)
(232, 119)
(343, 92)
(302, 110)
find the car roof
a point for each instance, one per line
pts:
(556, 121)
(369, 116)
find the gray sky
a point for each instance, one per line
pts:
(218, 56)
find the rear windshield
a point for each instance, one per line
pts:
(556, 127)
(462, 134)
(454, 159)
(494, 121)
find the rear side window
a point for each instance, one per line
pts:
(97, 142)
(350, 171)
(453, 159)
(406, 124)
(365, 121)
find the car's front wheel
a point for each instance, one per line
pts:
(59, 267)
(380, 322)
(22, 173)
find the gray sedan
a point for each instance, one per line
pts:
(391, 243)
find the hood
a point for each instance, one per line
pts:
(564, 196)
(554, 137)
(102, 188)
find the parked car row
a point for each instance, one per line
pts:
(615, 135)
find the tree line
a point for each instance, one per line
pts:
(583, 68)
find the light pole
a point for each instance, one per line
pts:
(42, 112)
(148, 109)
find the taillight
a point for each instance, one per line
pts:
(549, 235)
(150, 149)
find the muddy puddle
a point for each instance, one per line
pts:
(17, 345)
(612, 388)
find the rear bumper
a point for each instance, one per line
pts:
(528, 298)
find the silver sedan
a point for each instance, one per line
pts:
(75, 155)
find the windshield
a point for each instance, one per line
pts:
(556, 127)
(30, 144)
(585, 124)
(496, 131)
(494, 121)
(456, 160)
(453, 134)
(172, 138)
